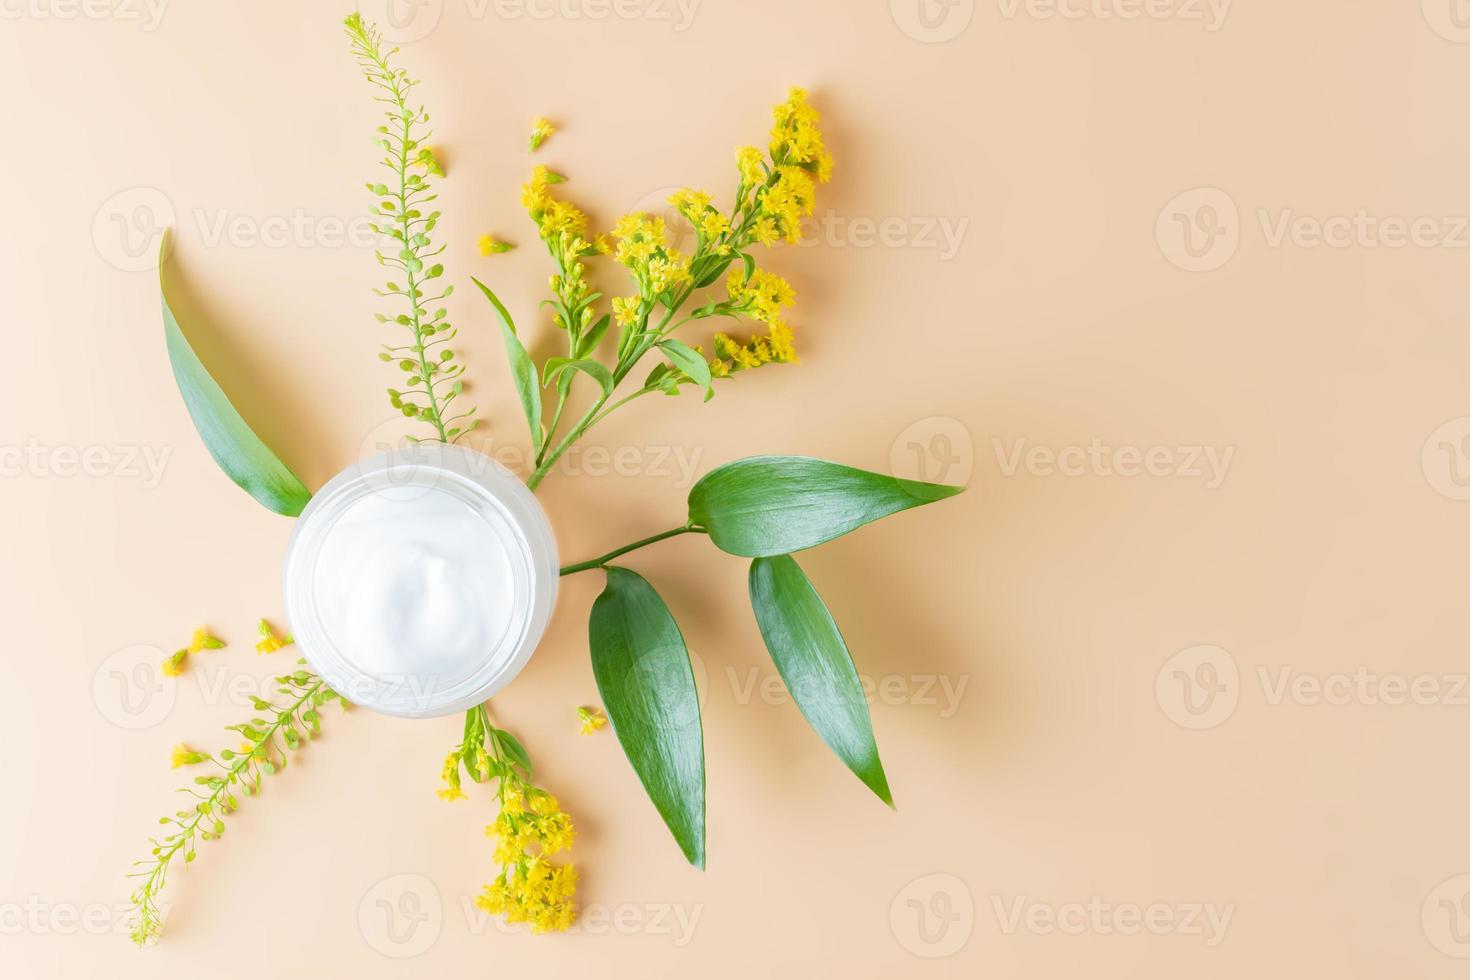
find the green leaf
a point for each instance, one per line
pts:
(813, 661)
(688, 360)
(228, 437)
(776, 505)
(646, 684)
(593, 369)
(594, 336)
(522, 368)
(514, 749)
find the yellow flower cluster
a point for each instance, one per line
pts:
(452, 790)
(531, 888)
(709, 223)
(762, 297)
(799, 160)
(642, 246)
(564, 229)
(174, 665)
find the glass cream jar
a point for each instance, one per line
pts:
(419, 582)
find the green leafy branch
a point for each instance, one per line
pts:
(764, 508)
(264, 750)
(434, 378)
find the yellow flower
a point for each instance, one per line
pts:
(540, 129)
(269, 642)
(449, 774)
(666, 273)
(592, 719)
(690, 203)
(202, 640)
(795, 137)
(714, 224)
(626, 309)
(185, 756)
(763, 296)
(782, 345)
(751, 163)
(767, 232)
(429, 160)
(174, 665)
(490, 245)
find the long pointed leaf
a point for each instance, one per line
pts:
(813, 661)
(776, 505)
(522, 368)
(230, 440)
(647, 685)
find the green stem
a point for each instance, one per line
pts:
(550, 460)
(587, 566)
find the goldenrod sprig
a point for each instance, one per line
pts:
(266, 742)
(528, 830)
(434, 378)
(775, 191)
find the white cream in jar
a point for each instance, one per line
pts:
(419, 582)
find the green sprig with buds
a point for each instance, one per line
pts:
(266, 742)
(434, 377)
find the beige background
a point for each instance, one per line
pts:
(1109, 704)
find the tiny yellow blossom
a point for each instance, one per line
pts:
(429, 160)
(592, 719)
(175, 664)
(185, 756)
(490, 245)
(202, 640)
(541, 128)
(269, 642)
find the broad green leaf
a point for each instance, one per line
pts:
(776, 505)
(228, 437)
(593, 369)
(813, 661)
(522, 368)
(688, 360)
(646, 683)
